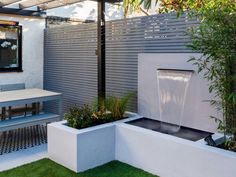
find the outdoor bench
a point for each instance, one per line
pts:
(28, 96)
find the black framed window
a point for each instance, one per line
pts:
(10, 47)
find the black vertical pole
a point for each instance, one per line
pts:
(101, 49)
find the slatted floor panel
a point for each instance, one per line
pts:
(22, 138)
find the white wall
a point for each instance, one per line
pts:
(197, 112)
(169, 156)
(32, 53)
(87, 10)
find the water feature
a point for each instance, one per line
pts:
(184, 132)
(172, 90)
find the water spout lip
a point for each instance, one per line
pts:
(185, 70)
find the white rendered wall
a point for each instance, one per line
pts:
(197, 112)
(168, 156)
(80, 150)
(32, 53)
(87, 10)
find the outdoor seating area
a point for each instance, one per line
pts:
(24, 97)
(117, 88)
(26, 128)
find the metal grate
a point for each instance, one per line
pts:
(22, 138)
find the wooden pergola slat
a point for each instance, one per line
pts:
(8, 2)
(59, 3)
(56, 4)
(45, 4)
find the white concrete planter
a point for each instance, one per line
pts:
(169, 156)
(155, 152)
(83, 149)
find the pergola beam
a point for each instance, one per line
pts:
(46, 4)
(8, 2)
(56, 4)
(60, 3)
(14, 11)
(32, 3)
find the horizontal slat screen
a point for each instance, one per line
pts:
(125, 39)
(71, 63)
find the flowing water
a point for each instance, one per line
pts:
(172, 90)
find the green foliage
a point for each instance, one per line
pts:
(79, 117)
(163, 6)
(229, 144)
(117, 106)
(130, 5)
(48, 168)
(104, 111)
(84, 116)
(179, 6)
(215, 40)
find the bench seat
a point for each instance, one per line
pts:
(27, 121)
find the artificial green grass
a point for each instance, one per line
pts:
(48, 168)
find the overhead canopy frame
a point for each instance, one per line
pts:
(41, 5)
(32, 3)
(7, 2)
(56, 4)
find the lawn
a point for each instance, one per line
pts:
(47, 168)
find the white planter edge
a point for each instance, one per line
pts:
(80, 150)
(169, 156)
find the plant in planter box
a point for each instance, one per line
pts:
(83, 117)
(114, 106)
(117, 106)
(215, 39)
(107, 110)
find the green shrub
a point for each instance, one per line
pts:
(117, 106)
(107, 110)
(83, 117)
(214, 38)
(79, 117)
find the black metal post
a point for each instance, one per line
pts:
(101, 49)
